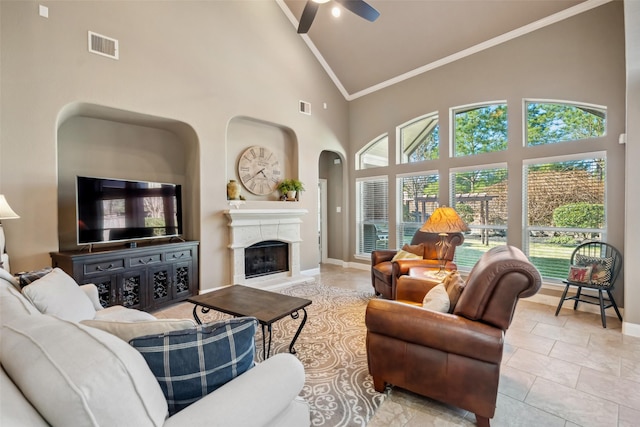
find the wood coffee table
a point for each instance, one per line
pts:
(266, 306)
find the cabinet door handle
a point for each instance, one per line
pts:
(109, 267)
(179, 256)
(145, 262)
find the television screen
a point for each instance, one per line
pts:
(111, 210)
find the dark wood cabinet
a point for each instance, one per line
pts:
(146, 277)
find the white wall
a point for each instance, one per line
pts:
(200, 63)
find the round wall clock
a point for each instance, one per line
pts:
(259, 170)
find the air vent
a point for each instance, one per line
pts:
(103, 45)
(305, 107)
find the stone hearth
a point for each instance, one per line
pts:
(250, 226)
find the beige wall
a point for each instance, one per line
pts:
(196, 64)
(631, 324)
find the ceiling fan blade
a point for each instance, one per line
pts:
(308, 14)
(360, 8)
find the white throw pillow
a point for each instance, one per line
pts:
(129, 330)
(79, 376)
(59, 295)
(437, 299)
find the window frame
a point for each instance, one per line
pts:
(399, 204)
(358, 212)
(360, 153)
(399, 149)
(469, 107)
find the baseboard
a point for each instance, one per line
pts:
(631, 329)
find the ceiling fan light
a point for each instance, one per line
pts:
(320, 1)
(336, 12)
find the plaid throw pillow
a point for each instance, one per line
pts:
(32, 276)
(191, 363)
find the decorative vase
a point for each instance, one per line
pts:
(233, 190)
(291, 195)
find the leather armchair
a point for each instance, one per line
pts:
(454, 358)
(385, 273)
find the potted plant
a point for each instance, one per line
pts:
(290, 188)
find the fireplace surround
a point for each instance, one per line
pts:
(248, 227)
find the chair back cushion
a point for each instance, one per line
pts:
(501, 276)
(429, 240)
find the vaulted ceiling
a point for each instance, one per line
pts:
(414, 36)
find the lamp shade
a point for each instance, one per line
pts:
(444, 220)
(5, 210)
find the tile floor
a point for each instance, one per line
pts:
(556, 371)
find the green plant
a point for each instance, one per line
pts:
(290, 184)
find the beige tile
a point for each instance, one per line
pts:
(619, 390)
(558, 333)
(514, 413)
(555, 370)
(528, 341)
(630, 369)
(575, 406)
(628, 417)
(599, 359)
(515, 383)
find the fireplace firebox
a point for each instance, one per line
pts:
(267, 257)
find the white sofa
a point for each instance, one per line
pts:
(61, 372)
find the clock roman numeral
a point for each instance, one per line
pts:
(246, 176)
(253, 153)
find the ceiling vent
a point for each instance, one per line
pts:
(103, 45)
(305, 107)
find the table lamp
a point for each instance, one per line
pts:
(444, 220)
(5, 213)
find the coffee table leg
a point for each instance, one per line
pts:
(295, 337)
(195, 313)
(266, 349)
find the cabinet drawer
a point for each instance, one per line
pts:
(142, 260)
(104, 266)
(179, 255)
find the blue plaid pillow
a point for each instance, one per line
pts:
(191, 363)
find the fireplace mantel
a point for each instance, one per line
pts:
(250, 226)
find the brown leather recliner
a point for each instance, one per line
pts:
(385, 273)
(454, 358)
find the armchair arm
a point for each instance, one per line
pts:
(254, 398)
(446, 332)
(382, 255)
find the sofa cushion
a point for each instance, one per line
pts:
(437, 299)
(129, 330)
(190, 364)
(15, 410)
(414, 249)
(123, 314)
(75, 375)
(12, 302)
(59, 295)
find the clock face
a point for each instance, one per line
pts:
(259, 170)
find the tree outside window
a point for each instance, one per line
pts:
(549, 122)
(480, 129)
(417, 199)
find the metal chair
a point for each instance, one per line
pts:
(607, 261)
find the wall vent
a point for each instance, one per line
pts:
(305, 107)
(103, 45)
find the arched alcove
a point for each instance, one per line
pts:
(244, 132)
(98, 141)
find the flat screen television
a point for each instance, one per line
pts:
(112, 210)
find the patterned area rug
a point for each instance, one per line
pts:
(332, 348)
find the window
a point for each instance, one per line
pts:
(417, 199)
(548, 123)
(371, 214)
(565, 205)
(419, 139)
(479, 129)
(374, 155)
(480, 198)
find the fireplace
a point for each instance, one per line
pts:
(265, 231)
(265, 258)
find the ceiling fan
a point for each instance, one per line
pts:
(359, 7)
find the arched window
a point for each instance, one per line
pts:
(419, 139)
(549, 122)
(479, 129)
(374, 155)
